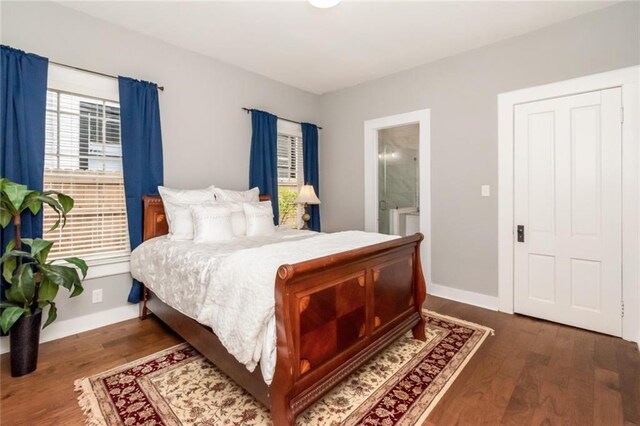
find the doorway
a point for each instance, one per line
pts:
(398, 180)
(398, 177)
(568, 210)
(569, 231)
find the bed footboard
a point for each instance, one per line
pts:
(334, 313)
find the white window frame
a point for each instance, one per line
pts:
(87, 84)
(627, 79)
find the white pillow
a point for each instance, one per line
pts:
(238, 221)
(259, 218)
(180, 224)
(176, 207)
(211, 224)
(250, 196)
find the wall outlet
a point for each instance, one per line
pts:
(485, 190)
(97, 296)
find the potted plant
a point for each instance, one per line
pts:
(32, 282)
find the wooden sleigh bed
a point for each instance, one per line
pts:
(332, 315)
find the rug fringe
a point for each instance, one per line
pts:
(473, 324)
(89, 403)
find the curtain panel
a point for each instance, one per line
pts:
(263, 170)
(142, 163)
(310, 166)
(23, 103)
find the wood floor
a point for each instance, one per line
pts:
(531, 372)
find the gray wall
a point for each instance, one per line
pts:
(461, 92)
(206, 135)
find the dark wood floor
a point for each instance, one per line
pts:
(531, 372)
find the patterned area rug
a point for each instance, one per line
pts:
(178, 386)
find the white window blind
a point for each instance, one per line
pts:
(83, 159)
(290, 178)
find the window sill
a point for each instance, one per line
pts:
(106, 268)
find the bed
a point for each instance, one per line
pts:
(332, 314)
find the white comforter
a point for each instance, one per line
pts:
(230, 287)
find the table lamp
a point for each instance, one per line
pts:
(307, 196)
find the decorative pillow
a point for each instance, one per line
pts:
(238, 221)
(211, 224)
(176, 206)
(250, 196)
(259, 218)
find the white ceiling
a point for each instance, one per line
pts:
(322, 50)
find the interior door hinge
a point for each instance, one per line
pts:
(622, 309)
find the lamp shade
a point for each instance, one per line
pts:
(307, 195)
(323, 4)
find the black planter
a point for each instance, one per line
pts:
(25, 340)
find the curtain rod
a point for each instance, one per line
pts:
(92, 72)
(280, 118)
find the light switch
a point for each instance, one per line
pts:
(485, 190)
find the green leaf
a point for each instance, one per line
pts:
(5, 218)
(55, 225)
(77, 290)
(64, 276)
(14, 253)
(47, 291)
(66, 202)
(40, 249)
(23, 285)
(79, 263)
(8, 305)
(55, 205)
(8, 266)
(53, 314)
(16, 194)
(10, 316)
(32, 202)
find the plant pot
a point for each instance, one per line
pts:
(25, 341)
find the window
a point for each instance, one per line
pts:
(83, 159)
(290, 178)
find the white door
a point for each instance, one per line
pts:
(568, 201)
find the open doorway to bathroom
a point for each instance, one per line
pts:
(399, 180)
(397, 170)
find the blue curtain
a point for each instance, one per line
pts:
(23, 100)
(263, 171)
(310, 166)
(141, 154)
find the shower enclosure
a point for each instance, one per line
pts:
(398, 180)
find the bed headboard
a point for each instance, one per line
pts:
(154, 222)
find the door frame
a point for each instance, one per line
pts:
(627, 79)
(423, 119)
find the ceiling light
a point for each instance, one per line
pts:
(323, 4)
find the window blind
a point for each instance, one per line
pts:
(290, 178)
(290, 160)
(83, 159)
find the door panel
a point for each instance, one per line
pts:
(568, 196)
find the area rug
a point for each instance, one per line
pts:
(178, 386)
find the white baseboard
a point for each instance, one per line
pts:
(464, 296)
(77, 325)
